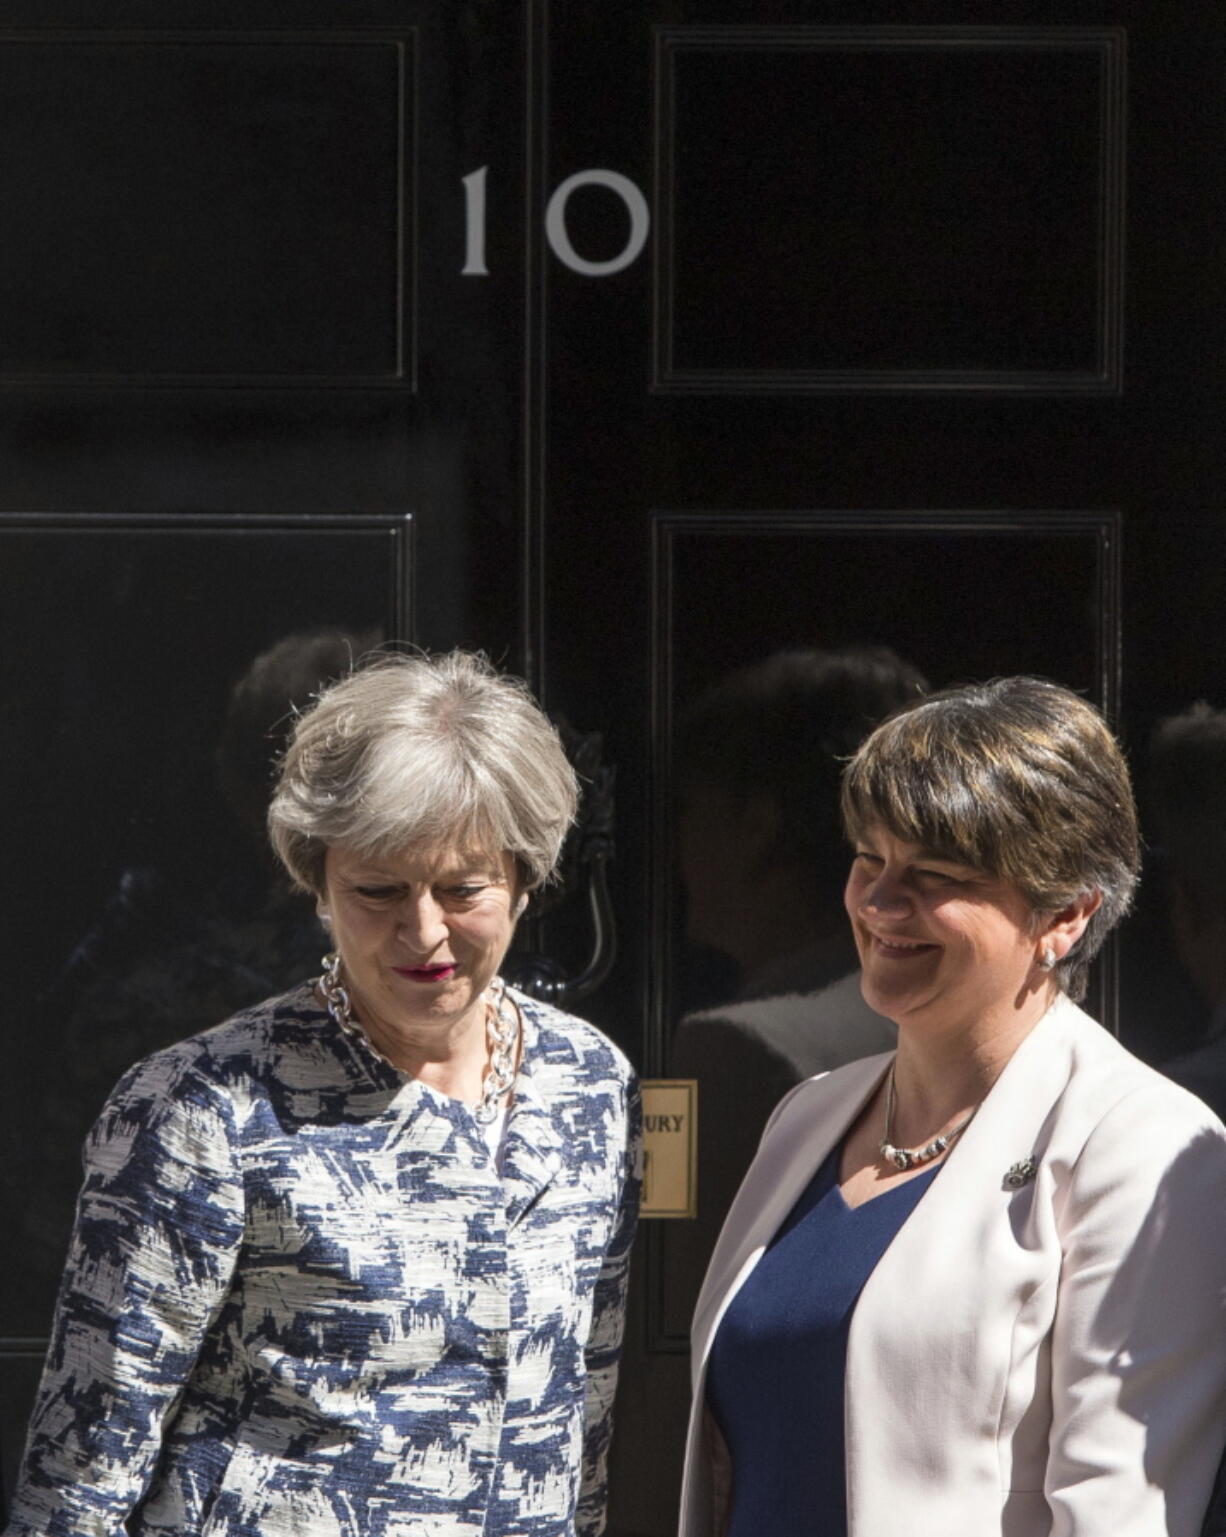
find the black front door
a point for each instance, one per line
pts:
(633, 343)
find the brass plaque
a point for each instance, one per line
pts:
(670, 1133)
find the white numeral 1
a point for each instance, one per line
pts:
(474, 224)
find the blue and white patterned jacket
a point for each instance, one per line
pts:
(300, 1301)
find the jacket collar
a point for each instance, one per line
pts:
(533, 1153)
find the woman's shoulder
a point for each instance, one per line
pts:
(566, 1040)
(1122, 1146)
(1104, 1073)
(245, 1046)
(1118, 1113)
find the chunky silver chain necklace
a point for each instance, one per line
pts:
(910, 1157)
(501, 1028)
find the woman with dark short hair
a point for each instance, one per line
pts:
(353, 1263)
(974, 1286)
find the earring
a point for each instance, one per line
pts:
(1047, 961)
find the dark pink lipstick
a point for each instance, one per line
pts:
(440, 973)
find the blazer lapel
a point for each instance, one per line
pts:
(947, 1264)
(1008, 1129)
(806, 1131)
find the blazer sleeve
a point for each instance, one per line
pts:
(608, 1324)
(1139, 1340)
(159, 1223)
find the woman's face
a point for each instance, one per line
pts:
(420, 934)
(940, 943)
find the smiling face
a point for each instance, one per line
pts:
(941, 944)
(420, 937)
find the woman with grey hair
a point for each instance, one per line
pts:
(353, 1263)
(974, 1286)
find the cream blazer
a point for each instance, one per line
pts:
(1047, 1360)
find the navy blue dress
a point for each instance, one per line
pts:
(775, 1377)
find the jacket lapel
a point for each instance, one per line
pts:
(803, 1133)
(945, 1282)
(1008, 1129)
(776, 1178)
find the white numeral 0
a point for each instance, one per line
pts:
(559, 239)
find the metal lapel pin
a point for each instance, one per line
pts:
(1020, 1173)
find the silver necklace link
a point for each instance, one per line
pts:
(911, 1157)
(335, 994)
(502, 1032)
(501, 1029)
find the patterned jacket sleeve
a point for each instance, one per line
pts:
(159, 1222)
(608, 1321)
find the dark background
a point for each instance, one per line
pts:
(925, 348)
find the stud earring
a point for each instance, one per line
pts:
(1047, 961)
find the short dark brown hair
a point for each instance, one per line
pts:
(1019, 777)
